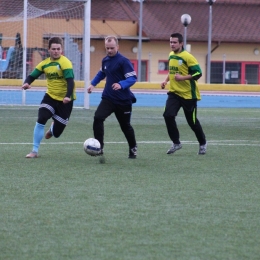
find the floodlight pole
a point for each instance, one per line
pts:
(210, 2)
(25, 4)
(140, 39)
(140, 42)
(86, 51)
(185, 19)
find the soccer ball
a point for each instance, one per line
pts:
(92, 146)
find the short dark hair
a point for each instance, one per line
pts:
(56, 40)
(177, 35)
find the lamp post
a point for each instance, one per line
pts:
(140, 40)
(210, 2)
(185, 20)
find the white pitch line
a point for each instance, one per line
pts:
(212, 142)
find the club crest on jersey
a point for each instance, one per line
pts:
(180, 62)
(58, 67)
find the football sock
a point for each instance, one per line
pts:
(37, 136)
(51, 128)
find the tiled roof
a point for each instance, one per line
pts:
(203, 1)
(230, 22)
(233, 20)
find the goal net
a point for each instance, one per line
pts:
(24, 36)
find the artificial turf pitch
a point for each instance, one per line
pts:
(68, 205)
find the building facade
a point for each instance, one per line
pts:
(235, 41)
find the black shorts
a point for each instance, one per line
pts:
(175, 102)
(59, 111)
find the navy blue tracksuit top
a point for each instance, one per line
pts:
(117, 69)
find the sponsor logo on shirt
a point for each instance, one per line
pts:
(53, 75)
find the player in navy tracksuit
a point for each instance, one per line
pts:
(116, 97)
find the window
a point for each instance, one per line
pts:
(144, 69)
(235, 72)
(232, 72)
(163, 66)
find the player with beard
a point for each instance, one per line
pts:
(184, 71)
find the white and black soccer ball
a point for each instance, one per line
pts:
(92, 146)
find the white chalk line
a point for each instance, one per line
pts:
(212, 142)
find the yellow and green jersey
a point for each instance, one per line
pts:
(184, 64)
(56, 72)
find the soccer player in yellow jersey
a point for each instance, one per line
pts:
(184, 71)
(57, 102)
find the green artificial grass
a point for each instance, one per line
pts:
(68, 205)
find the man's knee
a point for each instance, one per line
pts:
(168, 117)
(58, 129)
(98, 123)
(194, 125)
(126, 127)
(42, 119)
(98, 120)
(43, 116)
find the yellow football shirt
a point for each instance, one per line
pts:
(56, 73)
(184, 64)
